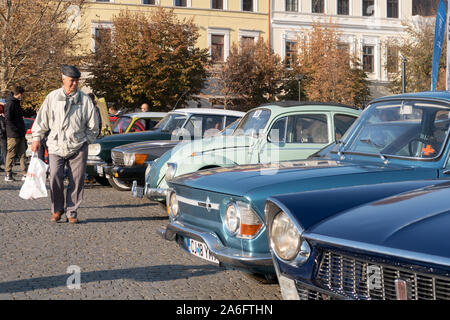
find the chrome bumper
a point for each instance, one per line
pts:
(224, 254)
(150, 193)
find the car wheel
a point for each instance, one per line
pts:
(262, 278)
(102, 181)
(119, 185)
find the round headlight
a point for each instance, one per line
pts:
(171, 170)
(173, 204)
(286, 240)
(232, 218)
(94, 149)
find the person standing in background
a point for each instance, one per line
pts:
(3, 144)
(15, 130)
(97, 113)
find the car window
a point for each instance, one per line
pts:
(229, 120)
(278, 131)
(308, 128)
(253, 123)
(341, 124)
(138, 125)
(121, 125)
(171, 122)
(201, 124)
(414, 129)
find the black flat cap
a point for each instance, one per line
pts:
(71, 71)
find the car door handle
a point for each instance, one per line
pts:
(446, 172)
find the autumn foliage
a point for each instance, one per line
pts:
(252, 75)
(36, 39)
(150, 58)
(331, 73)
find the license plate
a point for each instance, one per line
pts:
(100, 170)
(137, 192)
(199, 249)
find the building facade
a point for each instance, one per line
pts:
(367, 29)
(221, 22)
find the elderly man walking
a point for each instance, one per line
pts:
(68, 116)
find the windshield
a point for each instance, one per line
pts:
(407, 129)
(121, 125)
(253, 123)
(171, 122)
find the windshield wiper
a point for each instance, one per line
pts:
(375, 146)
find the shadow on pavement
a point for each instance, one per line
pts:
(143, 274)
(125, 219)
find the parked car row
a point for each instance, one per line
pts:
(329, 202)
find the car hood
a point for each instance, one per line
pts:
(295, 176)
(413, 222)
(145, 146)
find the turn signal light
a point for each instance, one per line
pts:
(140, 159)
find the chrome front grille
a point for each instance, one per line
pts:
(308, 294)
(360, 279)
(117, 158)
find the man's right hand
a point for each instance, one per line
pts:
(35, 146)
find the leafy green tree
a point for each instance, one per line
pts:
(149, 58)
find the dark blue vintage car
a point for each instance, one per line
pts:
(387, 243)
(218, 214)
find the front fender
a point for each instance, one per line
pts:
(309, 208)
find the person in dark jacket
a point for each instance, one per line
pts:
(15, 131)
(3, 145)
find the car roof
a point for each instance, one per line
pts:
(222, 112)
(428, 95)
(146, 114)
(282, 106)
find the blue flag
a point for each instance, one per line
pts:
(439, 33)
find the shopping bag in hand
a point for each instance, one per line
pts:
(34, 186)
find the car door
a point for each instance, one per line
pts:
(296, 137)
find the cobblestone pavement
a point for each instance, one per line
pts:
(116, 247)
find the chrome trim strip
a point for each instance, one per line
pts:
(224, 254)
(206, 204)
(377, 249)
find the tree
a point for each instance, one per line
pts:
(417, 48)
(37, 38)
(149, 58)
(331, 73)
(252, 75)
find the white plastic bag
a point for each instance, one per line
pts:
(34, 186)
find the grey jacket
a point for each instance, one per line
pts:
(69, 127)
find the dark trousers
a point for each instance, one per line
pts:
(76, 168)
(3, 150)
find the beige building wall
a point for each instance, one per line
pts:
(231, 22)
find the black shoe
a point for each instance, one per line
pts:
(9, 177)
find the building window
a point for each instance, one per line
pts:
(392, 8)
(217, 46)
(290, 52)
(292, 5)
(368, 59)
(392, 61)
(368, 8)
(343, 7)
(101, 35)
(149, 2)
(247, 5)
(103, 1)
(247, 40)
(180, 3)
(217, 4)
(318, 6)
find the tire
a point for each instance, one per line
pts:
(262, 278)
(119, 185)
(102, 181)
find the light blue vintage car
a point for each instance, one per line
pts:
(267, 134)
(218, 214)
